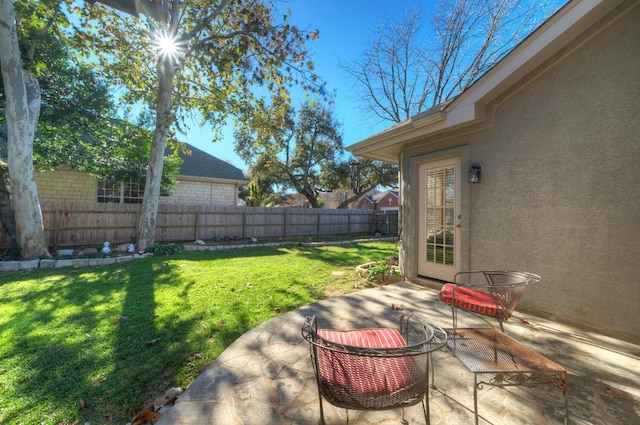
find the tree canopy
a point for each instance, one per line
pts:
(75, 126)
(292, 149)
(196, 58)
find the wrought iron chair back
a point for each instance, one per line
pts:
(487, 293)
(373, 369)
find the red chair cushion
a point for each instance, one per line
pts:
(368, 382)
(470, 299)
(366, 338)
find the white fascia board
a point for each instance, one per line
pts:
(374, 147)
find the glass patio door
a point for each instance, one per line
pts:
(439, 215)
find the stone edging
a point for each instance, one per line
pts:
(15, 266)
(50, 263)
(286, 243)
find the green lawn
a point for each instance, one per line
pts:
(89, 345)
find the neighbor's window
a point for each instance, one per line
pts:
(128, 192)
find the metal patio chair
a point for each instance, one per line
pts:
(487, 293)
(374, 368)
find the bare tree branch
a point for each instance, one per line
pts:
(407, 70)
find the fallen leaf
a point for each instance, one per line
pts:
(149, 416)
(617, 394)
(152, 341)
(81, 403)
(397, 307)
(637, 353)
(277, 310)
(119, 319)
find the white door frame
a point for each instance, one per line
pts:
(444, 258)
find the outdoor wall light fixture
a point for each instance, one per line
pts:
(475, 172)
(355, 176)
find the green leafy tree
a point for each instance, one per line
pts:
(260, 191)
(75, 127)
(214, 58)
(372, 174)
(21, 101)
(261, 196)
(292, 150)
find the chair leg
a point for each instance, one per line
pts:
(425, 400)
(426, 410)
(321, 422)
(403, 421)
(454, 317)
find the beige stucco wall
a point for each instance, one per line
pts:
(560, 188)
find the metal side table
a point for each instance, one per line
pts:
(510, 363)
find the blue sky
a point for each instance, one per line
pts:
(345, 27)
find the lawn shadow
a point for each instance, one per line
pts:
(72, 363)
(89, 344)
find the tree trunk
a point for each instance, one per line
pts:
(164, 119)
(6, 211)
(22, 110)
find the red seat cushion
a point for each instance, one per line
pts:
(367, 338)
(359, 381)
(470, 299)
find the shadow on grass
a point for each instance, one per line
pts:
(86, 345)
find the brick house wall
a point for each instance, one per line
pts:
(365, 204)
(65, 184)
(208, 192)
(72, 185)
(388, 203)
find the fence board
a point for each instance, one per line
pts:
(88, 224)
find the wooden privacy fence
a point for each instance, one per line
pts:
(87, 224)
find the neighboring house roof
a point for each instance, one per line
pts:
(202, 164)
(379, 196)
(198, 164)
(565, 26)
(374, 196)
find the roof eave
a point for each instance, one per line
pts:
(374, 146)
(468, 108)
(210, 179)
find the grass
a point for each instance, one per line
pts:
(89, 345)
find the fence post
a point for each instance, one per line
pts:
(244, 223)
(318, 223)
(387, 218)
(284, 223)
(56, 226)
(373, 222)
(349, 223)
(195, 228)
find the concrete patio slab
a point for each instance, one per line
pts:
(266, 377)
